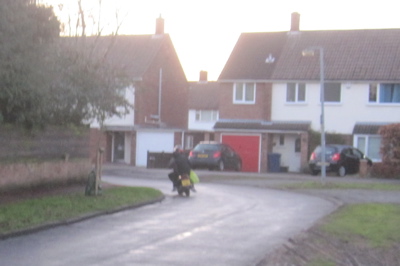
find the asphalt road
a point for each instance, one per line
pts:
(221, 224)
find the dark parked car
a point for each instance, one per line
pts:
(215, 156)
(342, 159)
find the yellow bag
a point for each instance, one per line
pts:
(193, 177)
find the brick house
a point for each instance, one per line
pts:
(269, 94)
(203, 110)
(158, 92)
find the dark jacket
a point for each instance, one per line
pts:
(180, 163)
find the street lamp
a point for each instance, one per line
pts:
(310, 52)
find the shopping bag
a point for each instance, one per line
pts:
(193, 177)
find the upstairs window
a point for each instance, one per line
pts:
(206, 115)
(295, 92)
(244, 93)
(384, 93)
(332, 92)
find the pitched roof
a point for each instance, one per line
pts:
(261, 125)
(203, 95)
(349, 55)
(247, 60)
(131, 53)
(367, 128)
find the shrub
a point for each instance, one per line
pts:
(390, 146)
(383, 170)
(390, 150)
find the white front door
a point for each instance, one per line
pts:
(287, 146)
(121, 147)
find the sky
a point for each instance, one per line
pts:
(204, 32)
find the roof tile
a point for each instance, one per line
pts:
(348, 55)
(203, 95)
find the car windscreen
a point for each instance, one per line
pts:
(206, 148)
(328, 150)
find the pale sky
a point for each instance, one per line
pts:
(204, 32)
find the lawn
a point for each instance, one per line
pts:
(377, 224)
(38, 211)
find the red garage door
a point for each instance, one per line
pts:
(248, 148)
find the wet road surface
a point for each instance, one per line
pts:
(219, 225)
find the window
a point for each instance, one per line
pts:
(370, 146)
(295, 92)
(373, 89)
(119, 146)
(357, 153)
(244, 93)
(281, 139)
(297, 145)
(347, 152)
(332, 92)
(206, 115)
(189, 142)
(384, 93)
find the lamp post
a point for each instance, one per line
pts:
(310, 52)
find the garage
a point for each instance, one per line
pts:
(152, 141)
(248, 147)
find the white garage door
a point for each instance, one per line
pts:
(153, 142)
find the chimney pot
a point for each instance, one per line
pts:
(295, 23)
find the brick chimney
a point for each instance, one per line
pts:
(160, 26)
(203, 76)
(295, 23)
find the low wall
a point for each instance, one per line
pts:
(28, 174)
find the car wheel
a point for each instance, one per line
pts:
(341, 171)
(221, 166)
(238, 167)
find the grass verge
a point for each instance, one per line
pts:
(35, 212)
(375, 223)
(330, 185)
(361, 234)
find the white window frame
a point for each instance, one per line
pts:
(377, 87)
(189, 142)
(199, 117)
(296, 92)
(243, 100)
(365, 149)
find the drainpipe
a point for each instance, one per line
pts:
(183, 140)
(159, 95)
